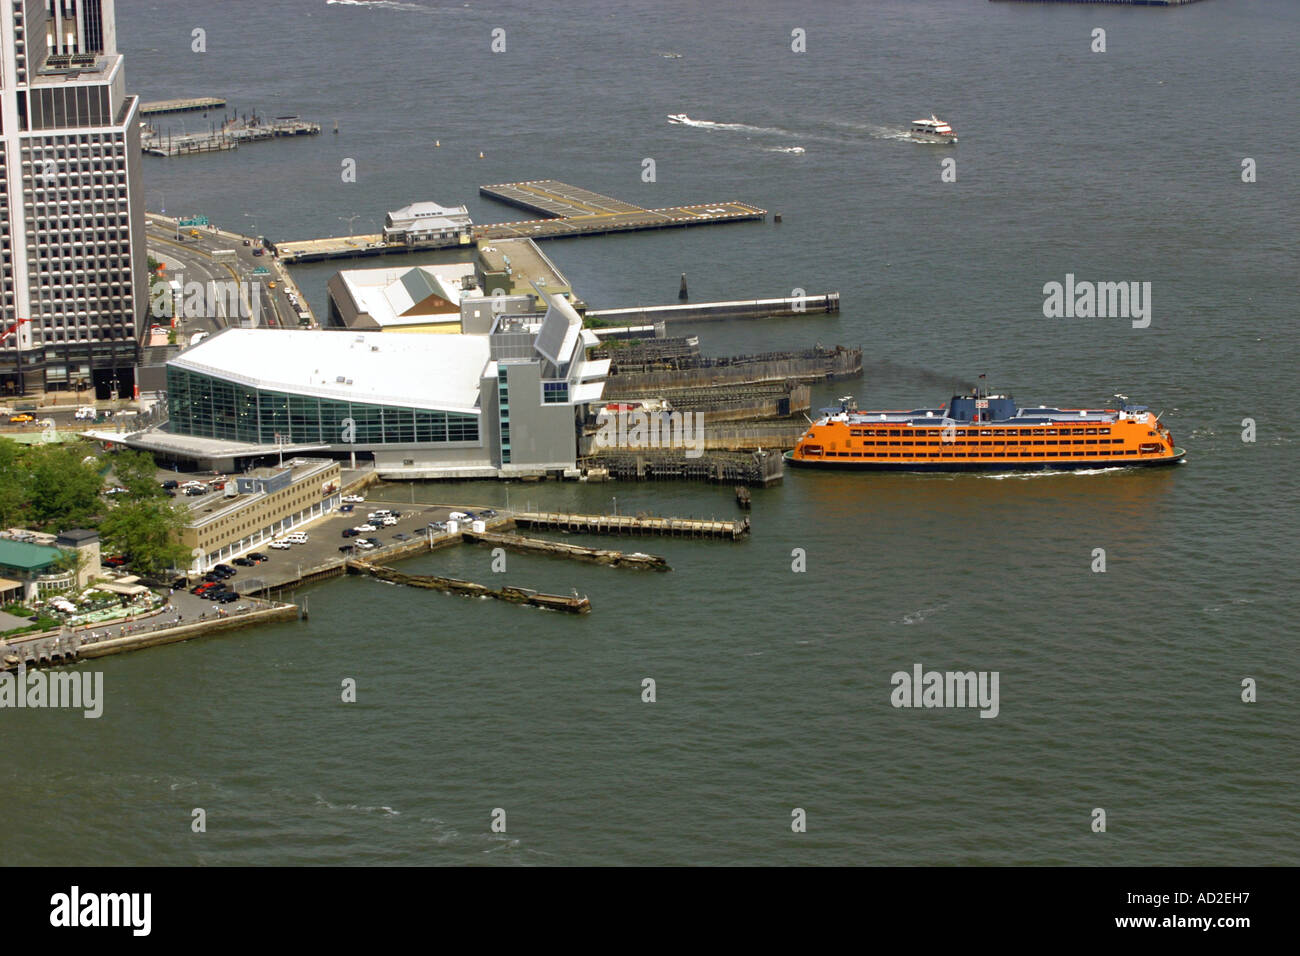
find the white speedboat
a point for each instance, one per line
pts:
(677, 117)
(932, 130)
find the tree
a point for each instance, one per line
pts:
(136, 472)
(13, 485)
(62, 489)
(148, 532)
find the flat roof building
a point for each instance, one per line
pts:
(259, 506)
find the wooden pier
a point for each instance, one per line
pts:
(627, 524)
(613, 559)
(760, 468)
(570, 211)
(515, 595)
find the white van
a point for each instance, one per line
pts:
(296, 538)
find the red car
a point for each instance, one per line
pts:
(116, 561)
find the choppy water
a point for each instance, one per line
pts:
(1117, 690)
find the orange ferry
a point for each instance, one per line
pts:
(979, 432)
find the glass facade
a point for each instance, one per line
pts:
(214, 408)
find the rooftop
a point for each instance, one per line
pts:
(408, 295)
(28, 557)
(418, 371)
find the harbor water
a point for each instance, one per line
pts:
(1119, 690)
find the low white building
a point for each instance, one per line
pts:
(422, 221)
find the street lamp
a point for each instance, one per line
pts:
(350, 220)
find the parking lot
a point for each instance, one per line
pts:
(325, 538)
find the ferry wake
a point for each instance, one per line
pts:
(982, 432)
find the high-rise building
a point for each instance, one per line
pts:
(73, 274)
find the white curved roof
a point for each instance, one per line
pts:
(420, 371)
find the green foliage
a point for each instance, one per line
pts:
(136, 472)
(54, 489)
(147, 531)
(13, 485)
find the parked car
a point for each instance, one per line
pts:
(401, 536)
(228, 596)
(280, 545)
(375, 541)
(258, 556)
(364, 545)
(458, 516)
(388, 522)
(116, 561)
(353, 499)
(489, 513)
(350, 532)
(346, 549)
(364, 528)
(296, 538)
(346, 509)
(245, 562)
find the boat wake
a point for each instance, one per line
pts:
(1062, 473)
(784, 149)
(916, 617)
(381, 5)
(681, 119)
(876, 131)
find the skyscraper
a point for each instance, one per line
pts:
(74, 296)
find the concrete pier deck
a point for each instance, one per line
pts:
(570, 211)
(821, 304)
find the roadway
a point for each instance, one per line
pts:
(190, 258)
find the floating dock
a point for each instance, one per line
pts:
(613, 559)
(627, 524)
(570, 211)
(195, 104)
(228, 136)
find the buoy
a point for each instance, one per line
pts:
(480, 155)
(437, 143)
(776, 217)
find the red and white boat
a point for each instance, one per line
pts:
(932, 130)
